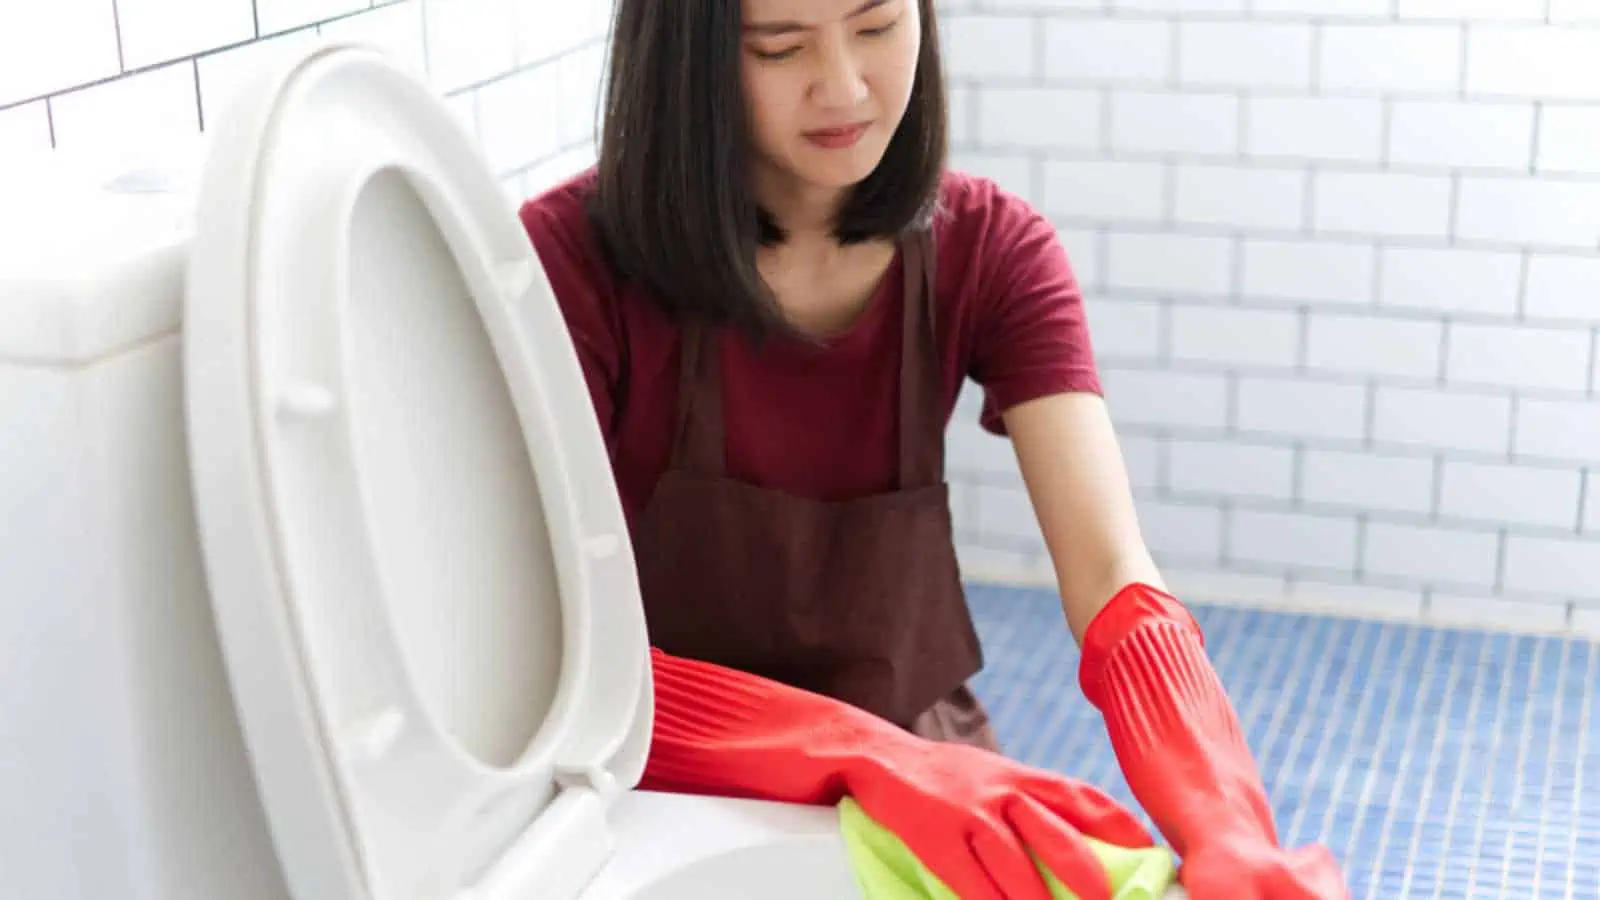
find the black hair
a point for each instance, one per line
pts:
(673, 206)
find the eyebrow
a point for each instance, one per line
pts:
(776, 28)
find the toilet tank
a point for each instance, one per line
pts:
(122, 766)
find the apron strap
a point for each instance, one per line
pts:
(700, 444)
(921, 412)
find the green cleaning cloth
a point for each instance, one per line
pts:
(887, 870)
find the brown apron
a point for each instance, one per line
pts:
(860, 600)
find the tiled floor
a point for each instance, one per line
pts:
(1435, 763)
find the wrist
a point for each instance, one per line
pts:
(1137, 607)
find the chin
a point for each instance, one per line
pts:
(834, 169)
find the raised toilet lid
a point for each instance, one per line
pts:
(417, 557)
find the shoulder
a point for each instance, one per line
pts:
(1005, 277)
(569, 247)
(994, 247)
(557, 221)
(569, 250)
(981, 218)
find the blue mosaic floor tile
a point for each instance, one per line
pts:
(1435, 763)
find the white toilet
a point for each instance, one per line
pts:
(313, 580)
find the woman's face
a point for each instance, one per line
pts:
(826, 83)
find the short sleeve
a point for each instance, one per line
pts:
(1031, 335)
(558, 227)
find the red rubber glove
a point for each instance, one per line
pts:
(1182, 751)
(970, 815)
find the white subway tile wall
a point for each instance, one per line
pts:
(1341, 257)
(1342, 260)
(88, 75)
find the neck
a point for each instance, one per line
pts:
(805, 212)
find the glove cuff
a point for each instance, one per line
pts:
(1137, 611)
(698, 702)
(719, 730)
(1145, 668)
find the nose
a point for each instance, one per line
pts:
(839, 80)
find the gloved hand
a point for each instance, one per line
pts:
(971, 815)
(1254, 869)
(1183, 753)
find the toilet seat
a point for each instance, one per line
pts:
(418, 562)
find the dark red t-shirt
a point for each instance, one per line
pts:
(822, 422)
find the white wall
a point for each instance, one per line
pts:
(1342, 269)
(1341, 255)
(98, 75)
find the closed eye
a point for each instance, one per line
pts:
(776, 55)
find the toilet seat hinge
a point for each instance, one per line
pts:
(588, 776)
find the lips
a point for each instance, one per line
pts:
(838, 137)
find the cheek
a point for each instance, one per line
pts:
(899, 68)
(768, 107)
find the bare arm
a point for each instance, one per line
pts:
(1078, 484)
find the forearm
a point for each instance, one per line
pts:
(1074, 471)
(1085, 591)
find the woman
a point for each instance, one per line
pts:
(776, 291)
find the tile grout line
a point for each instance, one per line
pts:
(1436, 490)
(1429, 769)
(1538, 126)
(1387, 731)
(427, 44)
(1345, 769)
(1250, 714)
(1522, 755)
(1594, 360)
(1278, 748)
(1442, 377)
(116, 25)
(1519, 314)
(151, 67)
(1385, 130)
(1583, 499)
(1502, 539)
(1577, 778)
(1358, 572)
(1351, 667)
(1318, 37)
(1320, 670)
(1369, 414)
(1279, 163)
(1452, 216)
(1429, 675)
(1512, 417)
(1041, 49)
(1085, 84)
(199, 103)
(1173, 80)
(1297, 476)
(1485, 658)
(1549, 770)
(1496, 730)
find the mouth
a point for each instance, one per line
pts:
(838, 137)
